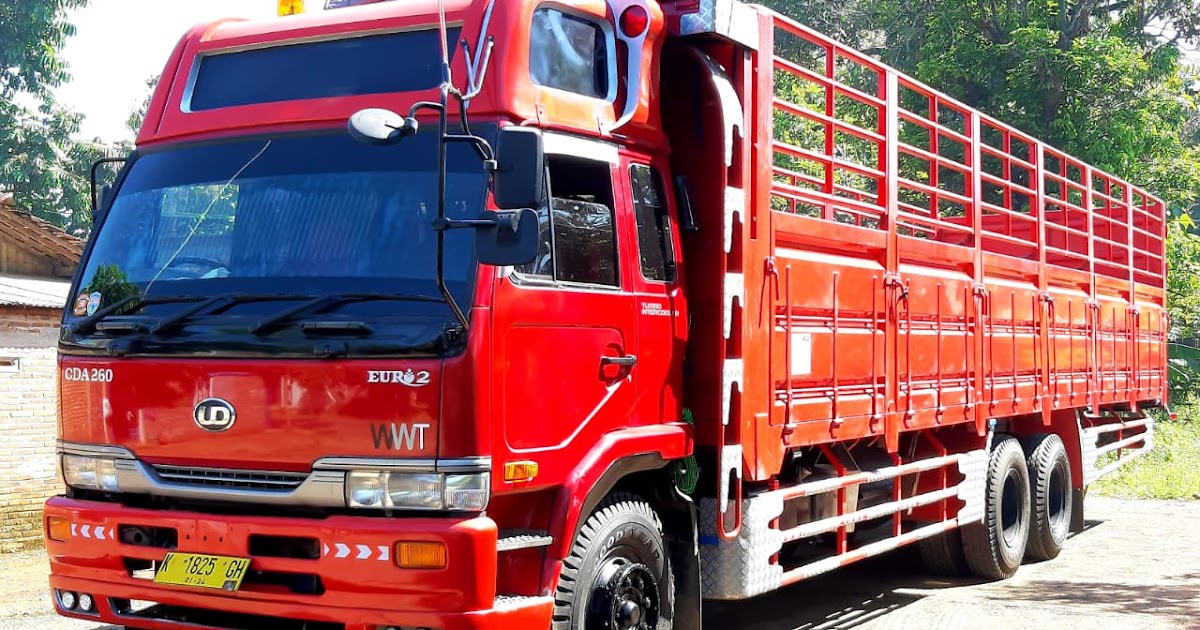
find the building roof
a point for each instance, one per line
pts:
(36, 292)
(37, 235)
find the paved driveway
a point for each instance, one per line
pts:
(1137, 566)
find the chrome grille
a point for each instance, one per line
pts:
(231, 479)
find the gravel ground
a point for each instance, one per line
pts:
(1136, 566)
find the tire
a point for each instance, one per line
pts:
(617, 559)
(994, 548)
(943, 554)
(1050, 487)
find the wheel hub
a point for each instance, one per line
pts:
(625, 597)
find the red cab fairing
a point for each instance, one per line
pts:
(289, 413)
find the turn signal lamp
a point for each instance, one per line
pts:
(291, 7)
(520, 471)
(58, 528)
(420, 555)
(634, 21)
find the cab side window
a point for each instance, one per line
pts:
(578, 240)
(569, 53)
(655, 243)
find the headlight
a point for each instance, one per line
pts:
(90, 473)
(417, 491)
(468, 492)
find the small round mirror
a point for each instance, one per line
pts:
(380, 126)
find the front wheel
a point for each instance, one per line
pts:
(617, 576)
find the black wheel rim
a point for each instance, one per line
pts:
(1012, 510)
(624, 597)
(1059, 494)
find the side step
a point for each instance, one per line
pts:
(512, 540)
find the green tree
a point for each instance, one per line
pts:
(39, 161)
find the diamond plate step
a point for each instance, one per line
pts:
(507, 602)
(511, 540)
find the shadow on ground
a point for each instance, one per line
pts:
(877, 587)
(1162, 601)
(846, 598)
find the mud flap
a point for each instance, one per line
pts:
(684, 548)
(1077, 522)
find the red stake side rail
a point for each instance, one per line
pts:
(908, 276)
(1014, 278)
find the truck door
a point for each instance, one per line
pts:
(564, 324)
(659, 305)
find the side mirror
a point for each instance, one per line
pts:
(102, 204)
(512, 239)
(100, 194)
(519, 174)
(380, 126)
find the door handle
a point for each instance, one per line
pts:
(628, 360)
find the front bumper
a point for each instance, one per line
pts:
(352, 582)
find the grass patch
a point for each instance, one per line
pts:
(1171, 470)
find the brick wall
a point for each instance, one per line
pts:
(28, 404)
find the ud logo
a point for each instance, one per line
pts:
(214, 414)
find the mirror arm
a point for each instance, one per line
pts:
(455, 224)
(485, 151)
(412, 111)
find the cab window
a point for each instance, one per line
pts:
(578, 241)
(653, 224)
(569, 53)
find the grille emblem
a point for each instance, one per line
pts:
(214, 414)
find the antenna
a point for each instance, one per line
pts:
(445, 45)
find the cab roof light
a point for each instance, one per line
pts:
(291, 7)
(634, 21)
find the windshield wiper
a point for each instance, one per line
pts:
(173, 321)
(330, 301)
(336, 327)
(218, 302)
(129, 304)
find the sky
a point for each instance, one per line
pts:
(120, 43)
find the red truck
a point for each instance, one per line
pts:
(574, 314)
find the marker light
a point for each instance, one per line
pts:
(520, 471)
(634, 21)
(58, 528)
(420, 555)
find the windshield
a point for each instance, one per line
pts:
(303, 216)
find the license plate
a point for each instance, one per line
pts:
(192, 569)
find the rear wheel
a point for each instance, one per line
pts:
(1050, 484)
(617, 576)
(994, 548)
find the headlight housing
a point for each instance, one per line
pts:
(386, 490)
(90, 473)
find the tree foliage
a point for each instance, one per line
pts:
(39, 162)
